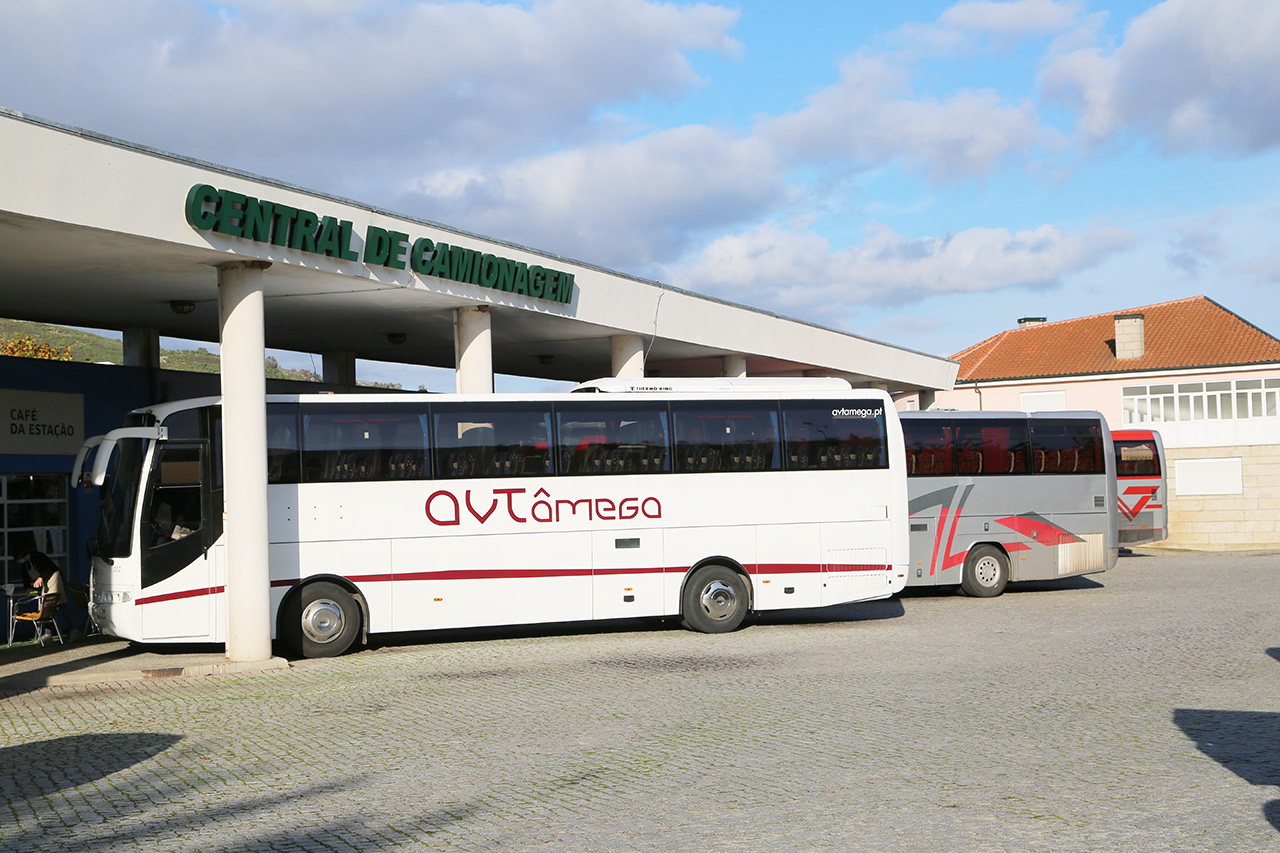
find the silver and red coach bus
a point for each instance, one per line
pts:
(996, 497)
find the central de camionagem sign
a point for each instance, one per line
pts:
(237, 215)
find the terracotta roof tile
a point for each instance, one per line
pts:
(1186, 333)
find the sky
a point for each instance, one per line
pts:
(920, 173)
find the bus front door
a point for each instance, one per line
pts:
(176, 598)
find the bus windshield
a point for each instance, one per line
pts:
(120, 497)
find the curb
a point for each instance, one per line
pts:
(90, 677)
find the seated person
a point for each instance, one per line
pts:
(45, 575)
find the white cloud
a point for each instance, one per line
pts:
(799, 272)
(968, 26)
(870, 117)
(1198, 75)
(620, 204)
(1196, 244)
(1032, 17)
(498, 118)
(302, 96)
(1265, 268)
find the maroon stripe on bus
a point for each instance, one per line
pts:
(783, 568)
(174, 596)
(488, 574)
(484, 574)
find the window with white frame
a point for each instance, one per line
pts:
(1201, 401)
(33, 505)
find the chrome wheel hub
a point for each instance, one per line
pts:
(322, 620)
(987, 571)
(718, 600)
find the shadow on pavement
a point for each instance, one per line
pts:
(1075, 582)
(858, 612)
(510, 632)
(1245, 742)
(861, 611)
(43, 767)
(26, 668)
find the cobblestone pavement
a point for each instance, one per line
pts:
(1135, 710)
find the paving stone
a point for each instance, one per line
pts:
(1133, 710)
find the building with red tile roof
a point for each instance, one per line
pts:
(1203, 376)
(1181, 335)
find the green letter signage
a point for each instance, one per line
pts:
(236, 215)
(197, 197)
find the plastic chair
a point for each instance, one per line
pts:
(45, 615)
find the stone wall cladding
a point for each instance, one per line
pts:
(1249, 521)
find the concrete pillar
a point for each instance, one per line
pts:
(339, 368)
(928, 397)
(244, 436)
(473, 350)
(141, 347)
(628, 356)
(734, 365)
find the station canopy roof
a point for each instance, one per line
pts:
(101, 233)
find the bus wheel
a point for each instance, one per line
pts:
(321, 621)
(714, 601)
(986, 572)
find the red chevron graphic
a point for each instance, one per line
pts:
(1144, 495)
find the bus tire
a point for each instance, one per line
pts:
(986, 572)
(715, 600)
(322, 620)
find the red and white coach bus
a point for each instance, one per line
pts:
(704, 500)
(1008, 496)
(1143, 495)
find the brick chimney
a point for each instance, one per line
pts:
(1131, 341)
(1023, 322)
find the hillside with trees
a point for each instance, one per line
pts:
(42, 340)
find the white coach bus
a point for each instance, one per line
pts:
(703, 500)
(1007, 496)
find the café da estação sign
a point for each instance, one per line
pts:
(237, 215)
(40, 422)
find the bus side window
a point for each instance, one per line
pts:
(320, 446)
(360, 455)
(991, 447)
(930, 448)
(612, 438)
(1088, 450)
(522, 445)
(282, 447)
(407, 454)
(500, 440)
(1067, 446)
(725, 436)
(346, 445)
